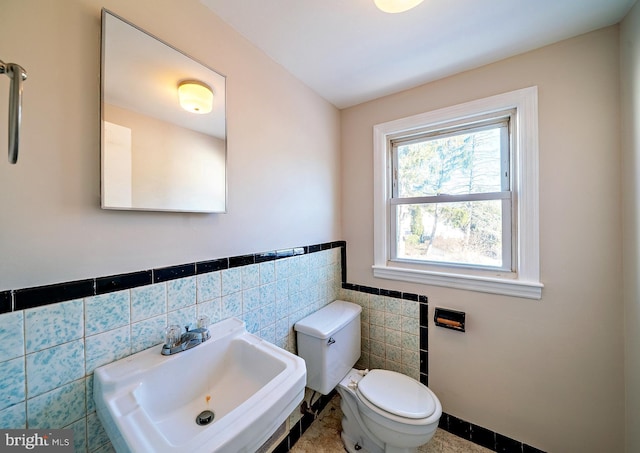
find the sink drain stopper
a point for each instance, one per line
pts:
(205, 417)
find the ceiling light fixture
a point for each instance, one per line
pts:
(396, 6)
(195, 96)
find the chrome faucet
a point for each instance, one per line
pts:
(177, 341)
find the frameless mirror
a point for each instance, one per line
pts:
(156, 155)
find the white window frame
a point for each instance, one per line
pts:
(525, 280)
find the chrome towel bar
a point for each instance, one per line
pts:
(18, 75)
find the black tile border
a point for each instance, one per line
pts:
(5, 302)
(25, 298)
(244, 260)
(174, 272)
(204, 267)
(125, 281)
(51, 294)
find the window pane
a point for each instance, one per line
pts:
(456, 233)
(464, 163)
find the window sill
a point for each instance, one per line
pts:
(503, 286)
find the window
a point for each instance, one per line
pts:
(451, 198)
(456, 196)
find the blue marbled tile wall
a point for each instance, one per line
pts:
(49, 352)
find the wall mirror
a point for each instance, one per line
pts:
(155, 154)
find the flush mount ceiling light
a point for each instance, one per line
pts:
(396, 6)
(195, 96)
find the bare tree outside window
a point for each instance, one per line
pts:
(445, 185)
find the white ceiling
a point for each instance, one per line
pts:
(350, 52)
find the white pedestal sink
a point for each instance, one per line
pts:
(148, 402)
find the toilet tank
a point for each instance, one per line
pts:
(329, 342)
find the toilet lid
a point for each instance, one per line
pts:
(397, 393)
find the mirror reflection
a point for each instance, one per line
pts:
(163, 125)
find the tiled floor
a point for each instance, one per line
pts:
(323, 436)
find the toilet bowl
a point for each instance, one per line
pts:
(383, 411)
(395, 413)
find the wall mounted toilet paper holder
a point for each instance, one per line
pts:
(449, 319)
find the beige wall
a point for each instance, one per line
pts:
(283, 153)
(550, 372)
(630, 103)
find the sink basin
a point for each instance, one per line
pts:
(148, 402)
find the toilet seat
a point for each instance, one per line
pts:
(396, 394)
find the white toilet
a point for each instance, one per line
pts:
(383, 411)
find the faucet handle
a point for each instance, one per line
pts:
(172, 335)
(203, 322)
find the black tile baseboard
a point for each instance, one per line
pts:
(303, 424)
(483, 436)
